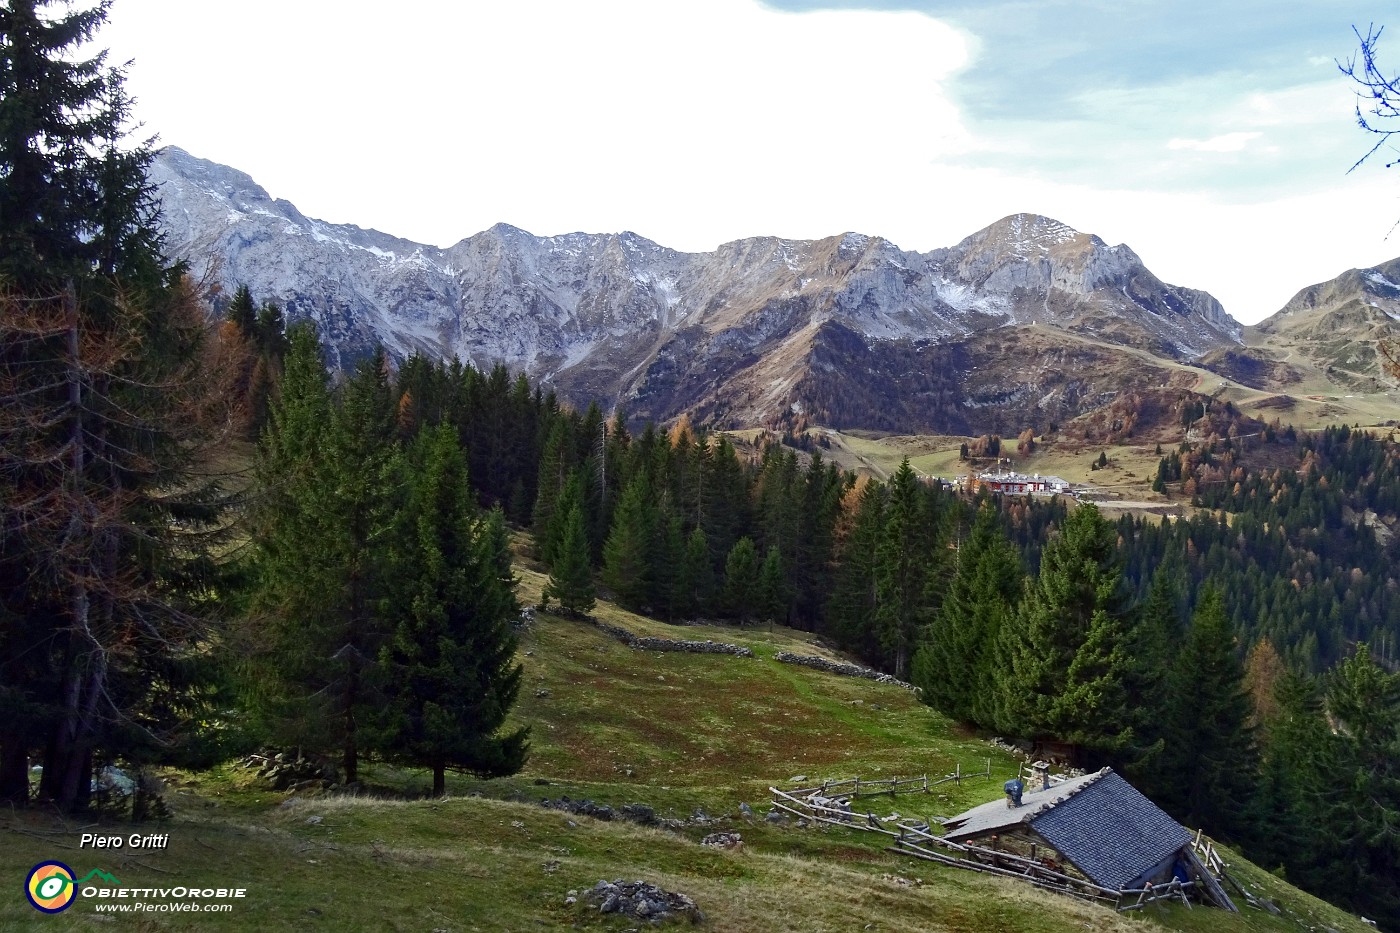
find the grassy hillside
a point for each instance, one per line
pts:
(677, 732)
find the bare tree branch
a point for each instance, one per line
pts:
(1377, 94)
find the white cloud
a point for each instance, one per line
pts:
(1226, 142)
(698, 122)
(690, 123)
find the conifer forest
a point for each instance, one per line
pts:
(209, 543)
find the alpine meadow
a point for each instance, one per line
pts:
(576, 581)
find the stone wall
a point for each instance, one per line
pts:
(844, 668)
(651, 643)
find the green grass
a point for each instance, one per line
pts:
(674, 731)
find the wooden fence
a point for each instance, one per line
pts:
(1213, 867)
(866, 788)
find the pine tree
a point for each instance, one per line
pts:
(954, 665)
(554, 471)
(741, 577)
(773, 595)
(326, 475)
(1065, 665)
(853, 598)
(571, 578)
(242, 312)
(627, 553)
(696, 580)
(1365, 817)
(447, 671)
(1210, 763)
(904, 559)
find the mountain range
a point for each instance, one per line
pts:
(1025, 323)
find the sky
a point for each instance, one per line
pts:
(1214, 139)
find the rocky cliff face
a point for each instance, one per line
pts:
(755, 329)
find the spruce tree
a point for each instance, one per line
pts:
(555, 467)
(571, 577)
(1210, 762)
(727, 501)
(289, 564)
(667, 566)
(242, 312)
(773, 588)
(327, 484)
(808, 562)
(741, 578)
(954, 665)
(628, 551)
(851, 611)
(1065, 667)
(271, 333)
(696, 580)
(73, 192)
(1296, 790)
(447, 672)
(1152, 641)
(902, 570)
(1364, 700)
(570, 496)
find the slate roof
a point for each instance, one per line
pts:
(1099, 822)
(996, 816)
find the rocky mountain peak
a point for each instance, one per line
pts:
(1377, 287)
(1335, 326)
(175, 166)
(1034, 251)
(731, 334)
(1027, 232)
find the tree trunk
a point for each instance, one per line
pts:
(76, 774)
(351, 759)
(14, 770)
(439, 779)
(83, 674)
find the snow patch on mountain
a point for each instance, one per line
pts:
(618, 307)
